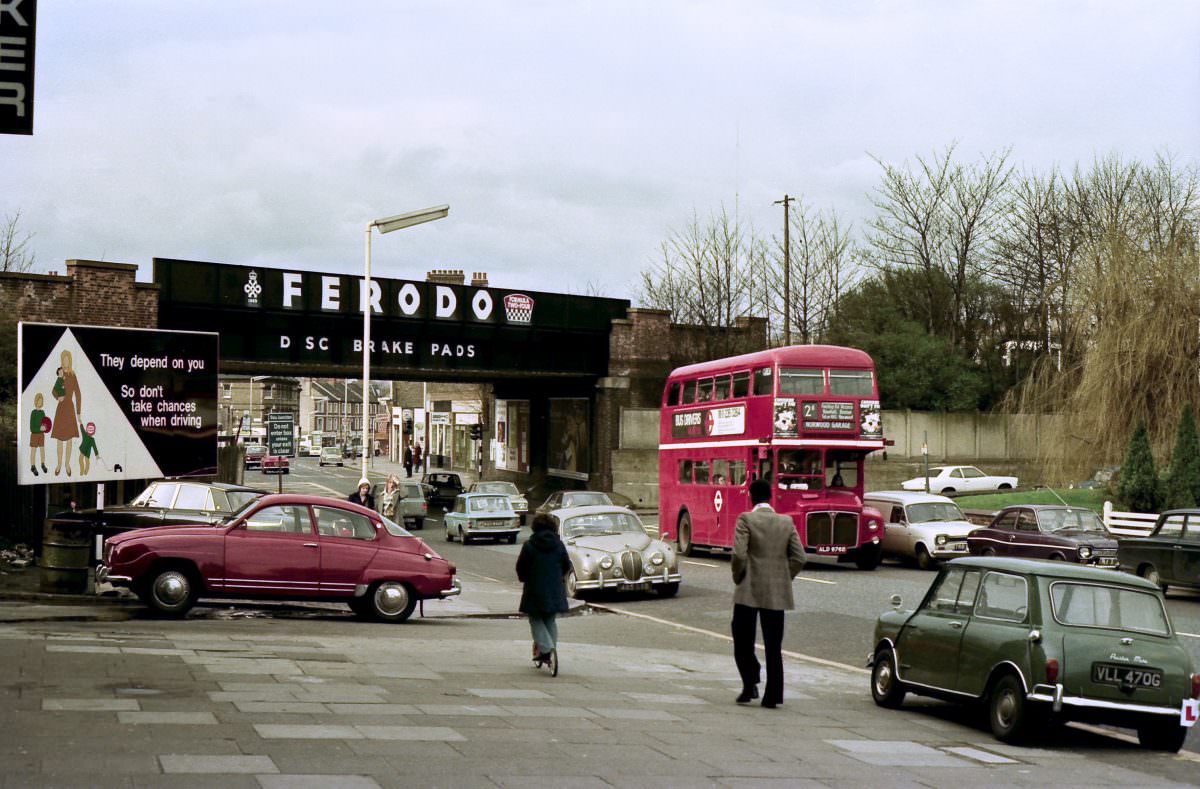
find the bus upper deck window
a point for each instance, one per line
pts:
(673, 394)
(704, 390)
(741, 384)
(689, 392)
(850, 382)
(801, 382)
(723, 387)
(764, 381)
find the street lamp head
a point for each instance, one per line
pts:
(402, 221)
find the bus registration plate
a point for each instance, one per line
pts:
(832, 549)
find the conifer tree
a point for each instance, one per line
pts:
(1138, 488)
(1183, 475)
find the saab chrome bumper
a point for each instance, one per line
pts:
(1053, 694)
(104, 575)
(455, 589)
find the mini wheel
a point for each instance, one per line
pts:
(1007, 712)
(1165, 736)
(885, 687)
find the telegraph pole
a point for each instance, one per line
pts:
(787, 270)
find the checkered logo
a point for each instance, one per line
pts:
(518, 308)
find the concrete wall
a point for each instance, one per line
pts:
(950, 436)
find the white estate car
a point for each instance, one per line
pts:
(921, 526)
(960, 479)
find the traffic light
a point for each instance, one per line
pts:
(477, 432)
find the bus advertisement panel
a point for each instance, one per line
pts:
(803, 418)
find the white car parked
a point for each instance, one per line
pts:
(959, 479)
(921, 526)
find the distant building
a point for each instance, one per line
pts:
(243, 402)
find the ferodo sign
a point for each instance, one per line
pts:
(310, 319)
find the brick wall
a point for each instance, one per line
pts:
(92, 292)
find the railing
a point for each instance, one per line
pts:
(1128, 524)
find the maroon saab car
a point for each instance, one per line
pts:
(1046, 531)
(282, 547)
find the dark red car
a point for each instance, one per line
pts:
(282, 547)
(1046, 531)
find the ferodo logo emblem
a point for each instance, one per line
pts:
(518, 308)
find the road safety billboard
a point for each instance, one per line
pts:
(97, 404)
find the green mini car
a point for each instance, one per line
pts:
(1040, 643)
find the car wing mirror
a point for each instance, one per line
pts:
(897, 601)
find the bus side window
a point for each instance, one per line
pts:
(737, 472)
(720, 472)
(723, 387)
(673, 394)
(741, 384)
(704, 390)
(701, 469)
(685, 472)
(764, 468)
(764, 381)
(689, 392)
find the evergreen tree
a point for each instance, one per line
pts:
(1183, 475)
(1138, 488)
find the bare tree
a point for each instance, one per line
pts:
(15, 252)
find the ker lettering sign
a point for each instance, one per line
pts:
(312, 322)
(18, 25)
(98, 404)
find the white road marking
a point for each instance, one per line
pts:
(815, 580)
(699, 564)
(986, 757)
(461, 571)
(323, 487)
(724, 637)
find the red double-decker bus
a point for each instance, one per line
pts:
(802, 417)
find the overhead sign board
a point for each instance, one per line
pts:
(310, 319)
(98, 404)
(18, 28)
(281, 431)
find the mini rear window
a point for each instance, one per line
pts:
(1108, 607)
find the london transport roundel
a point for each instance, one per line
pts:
(710, 422)
(718, 500)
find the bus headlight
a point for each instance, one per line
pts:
(606, 563)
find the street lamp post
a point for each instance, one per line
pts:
(386, 225)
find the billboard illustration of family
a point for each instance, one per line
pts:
(98, 404)
(64, 428)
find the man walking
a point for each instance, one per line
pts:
(408, 459)
(767, 555)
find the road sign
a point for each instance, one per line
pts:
(272, 471)
(281, 435)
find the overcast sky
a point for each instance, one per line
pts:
(569, 138)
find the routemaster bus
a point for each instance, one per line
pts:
(803, 418)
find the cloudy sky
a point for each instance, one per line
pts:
(569, 138)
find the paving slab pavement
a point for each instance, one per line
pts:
(455, 702)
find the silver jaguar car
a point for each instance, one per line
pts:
(609, 549)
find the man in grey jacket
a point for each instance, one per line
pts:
(767, 555)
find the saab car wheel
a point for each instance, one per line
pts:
(171, 591)
(667, 590)
(1006, 710)
(391, 601)
(684, 537)
(924, 560)
(1166, 736)
(885, 687)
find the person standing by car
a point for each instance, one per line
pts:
(417, 456)
(541, 567)
(408, 459)
(767, 555)
(390, 497)
(362, 495)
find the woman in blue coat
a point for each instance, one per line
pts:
(541, 567)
